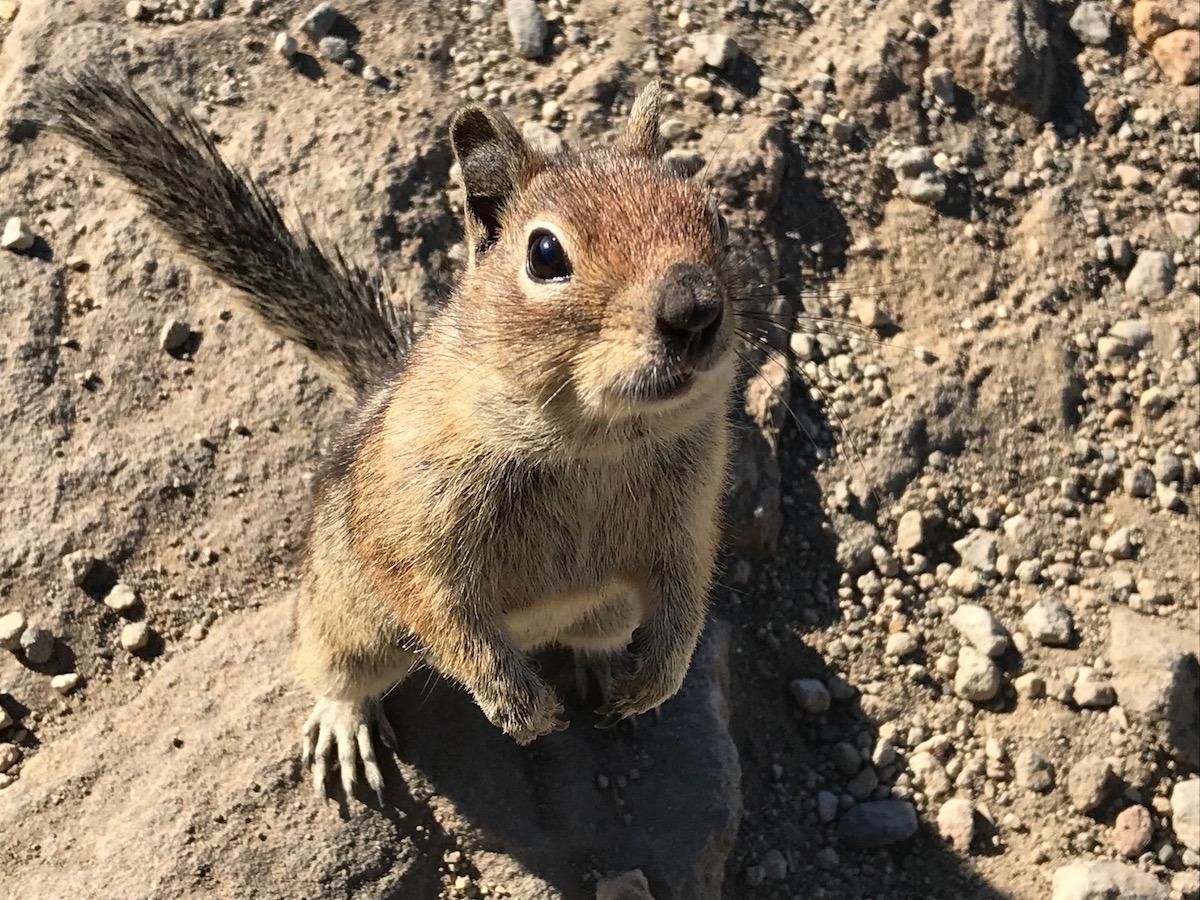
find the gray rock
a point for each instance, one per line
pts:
(977, 678)
(862, 785)
(827, 806)
(1104, 880)
(978, 550)
(910, 532)
(319, 21)
(1034, 772)
(980, 627)
(285, 45)
(527, 27)
(878, 823)
(1185, 813)
(629, 885)
(37, 644)
(1139, 480)
(1092, 23)
(12, 626)
(1152, 276)
(1089, 783)
(174, 335)
(1157, 676)
(334, 48)
(811, 694)
(1050, 622)
(956, 823)
(916, 175)
(774, 865)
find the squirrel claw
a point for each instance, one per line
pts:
(344, 727)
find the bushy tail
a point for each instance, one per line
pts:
(227, 223)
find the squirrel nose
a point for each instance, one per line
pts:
(688, 310)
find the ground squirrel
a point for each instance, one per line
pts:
(544, 467)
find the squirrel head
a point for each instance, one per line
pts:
(598, 282)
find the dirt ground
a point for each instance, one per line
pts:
(963, 567)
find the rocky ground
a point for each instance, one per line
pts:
(954, 651)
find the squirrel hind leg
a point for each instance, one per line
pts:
(344, 731)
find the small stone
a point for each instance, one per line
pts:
(1153, 402)
(1093, 693)
(964, 581)
(774, 865)
(1120, 544)
(631, 885)
(1152, 276)
(134, 10)
(135, 636)
(1031, 685)
(940, 82)
(901, 644)
(862, 785)
(1049, 622)
(1185, 813)
(1132, 831)
(121, 598)
(10, 755)
(527, 27)
(64, 684)
(811, 694)
(827, 806)
(869, 313)
(1184, 226)
(334, 48)
(1151, 20)
(910, 532)
(1178, 55)
(956, 823)
(8, 10)
(1132, 333)
(37, 644)
(12, 626)
(174, 335)
(1034, 772)
(917, 177)
(1139, 480)
(5, 719)
(978, 550)
(285, 45)
(1092, 23)
(878, 823)
(697, 88)
(319, 21)
(977, 678)
(1089, 783)
(980, 627)
(1105, 880)
(16, 236)
(718, 50)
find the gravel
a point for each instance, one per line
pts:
(1050, 622)
(981, 628)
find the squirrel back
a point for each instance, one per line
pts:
(307, 293)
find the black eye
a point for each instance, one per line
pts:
(547, 258)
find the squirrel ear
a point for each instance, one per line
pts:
(641, 136)
(494, 160)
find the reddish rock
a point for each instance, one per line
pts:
(1132, 831)
(1178, 55)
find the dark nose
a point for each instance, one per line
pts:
(688, 310)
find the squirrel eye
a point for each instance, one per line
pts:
(547, 259)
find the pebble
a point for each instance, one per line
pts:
(1152, 276)
(1132, 831)
(1092, 23)
(37, 644)
(285, 45)
(122, 598)
(1089, 783)
(1178, 55)
(1049, 622)
(12, 626)
(16, 236)
(1034, 772)
(863, 785)
(978, 550)
(977, 678)
(718, 50)
(173, 335)
(10, 755)
(902, 644)
(980, 627)
(319, 21)
(774, 865)
(527, 27)
(917, 177)
(1031, 685)
(66, 683)
(1185, 813)
(940, 82)
(811, 694)
(1093, 693)
(134, 10)
(827, 806)
(910, 532)
(1120, 544)
(334, 48)
(964, 581)
(697, 88)
(956, 823)
(1095, 879)
(878, 823)
(135, 636)
(6, 720)
(631, 885)
(1139, 480)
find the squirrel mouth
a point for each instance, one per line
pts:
(658, 385)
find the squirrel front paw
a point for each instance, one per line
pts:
(525, 712)
(652, 683)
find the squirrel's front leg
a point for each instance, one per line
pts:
(465, 641)
(662, 647)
